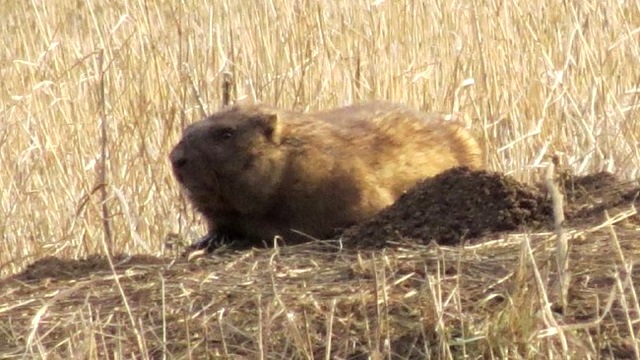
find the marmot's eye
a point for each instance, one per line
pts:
(223, 134)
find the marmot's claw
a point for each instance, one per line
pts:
(208, 243)
(204, 242)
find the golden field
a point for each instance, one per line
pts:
(95, 93)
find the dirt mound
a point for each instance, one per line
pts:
(462, 204)
(455, 205)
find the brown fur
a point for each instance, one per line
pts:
(254, 171)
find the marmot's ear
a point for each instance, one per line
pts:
(272, 127)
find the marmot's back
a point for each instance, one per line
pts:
(403, 145)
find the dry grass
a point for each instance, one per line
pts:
(548, 77)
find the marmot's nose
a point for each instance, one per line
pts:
(177, 158)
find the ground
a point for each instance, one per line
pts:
(232, 302)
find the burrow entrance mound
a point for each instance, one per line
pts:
(463, 204)
(455, 205)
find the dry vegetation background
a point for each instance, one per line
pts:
(540, 77)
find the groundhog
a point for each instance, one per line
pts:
(255, 171)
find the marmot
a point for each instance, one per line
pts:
(255, 171)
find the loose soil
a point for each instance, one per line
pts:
(454, 206)
(463, 205)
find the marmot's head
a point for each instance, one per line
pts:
(234, 149)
